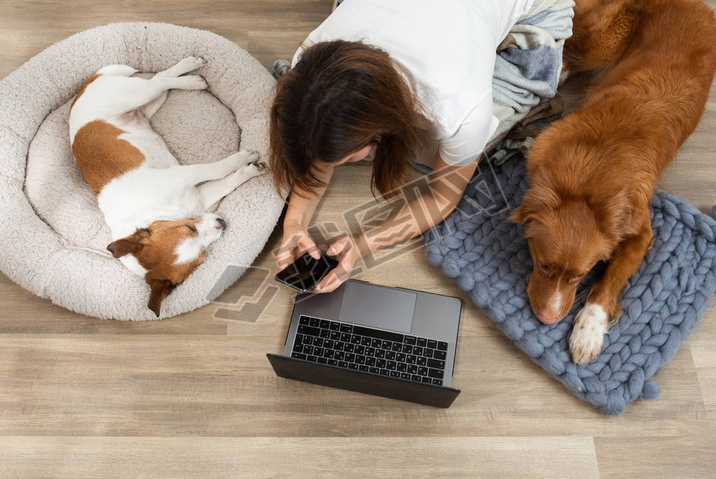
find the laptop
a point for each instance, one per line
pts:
(391, 342)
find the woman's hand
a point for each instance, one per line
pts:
(301, 206)
(295, 243)
(347, 252)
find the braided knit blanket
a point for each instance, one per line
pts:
(487, 256)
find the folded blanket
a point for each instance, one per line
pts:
(529, 63)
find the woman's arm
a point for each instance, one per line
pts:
(429, 208)
(301, 207)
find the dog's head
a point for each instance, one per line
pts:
(567, 235)
(169, 251)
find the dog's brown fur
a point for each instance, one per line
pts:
(102, 156)
(592, 174)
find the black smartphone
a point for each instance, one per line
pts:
(306, 272)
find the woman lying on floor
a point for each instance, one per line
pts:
(385, 79)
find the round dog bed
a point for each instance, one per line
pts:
(54, 237)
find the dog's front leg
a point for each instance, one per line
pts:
(591, 324)
(194, 174)
(213, 191)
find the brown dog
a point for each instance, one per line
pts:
(592, 174)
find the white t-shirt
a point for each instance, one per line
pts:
(447, 46)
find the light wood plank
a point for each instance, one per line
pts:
(22, 312)
(268, 457)
(655, 457)
(26, 28)
(704, 352)
(166, 385)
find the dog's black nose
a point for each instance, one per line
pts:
(222, 223)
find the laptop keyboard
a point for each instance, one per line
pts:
(375, 351)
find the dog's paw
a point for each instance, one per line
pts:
(248, 171)
(241, 159)
(587, 337)
(189, 64)
(194, 82)
(248, 157)
(258, 165)
(255, 168)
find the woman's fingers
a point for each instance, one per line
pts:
(339, 246)
(284, 257)
(294, 246)
(286, 254)
(334, 279)
(307, 245)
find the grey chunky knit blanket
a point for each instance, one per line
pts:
(487, 256)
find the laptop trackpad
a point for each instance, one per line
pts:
(378, 307)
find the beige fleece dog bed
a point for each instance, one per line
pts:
(54, 237)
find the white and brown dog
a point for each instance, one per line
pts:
(152, 204)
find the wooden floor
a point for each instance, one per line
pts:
(195, 396)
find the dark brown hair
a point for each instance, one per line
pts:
(340, 97)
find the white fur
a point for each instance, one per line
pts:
(160, 188)
(555, 303)
(553, 306)
(588, 332)
(208, 230)
(133, 265)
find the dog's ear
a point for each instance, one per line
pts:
(536, 199)
(130, 244)
(123, 247)
(615, 215)
(161, 288)
(519, 216)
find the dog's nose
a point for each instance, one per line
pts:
(547, 319)
(221, 222)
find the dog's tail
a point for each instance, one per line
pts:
(118, 70)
